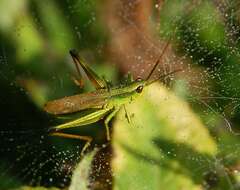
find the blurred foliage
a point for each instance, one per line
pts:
(36, 188)
(165, 148)
(184, 138)
(80, 178)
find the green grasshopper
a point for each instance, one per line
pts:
(103, 103)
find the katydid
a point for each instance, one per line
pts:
(103, 103)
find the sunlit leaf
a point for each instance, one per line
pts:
(80, 178)
(165, 146)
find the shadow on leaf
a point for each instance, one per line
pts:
(180, 158)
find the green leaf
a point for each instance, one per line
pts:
(166, 145)
(80, 178)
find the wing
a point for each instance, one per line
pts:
(71, 104)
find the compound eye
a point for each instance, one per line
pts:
(139, 89)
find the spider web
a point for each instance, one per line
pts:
(209, 80)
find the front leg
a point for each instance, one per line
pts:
(127, 115)
(108, 119)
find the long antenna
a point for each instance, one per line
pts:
(163, 76)
(159, 59)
